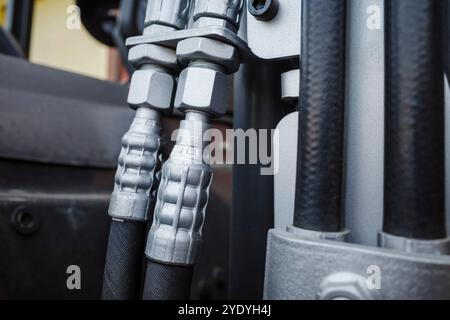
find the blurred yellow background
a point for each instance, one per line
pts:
(2, 12)
(54, 44)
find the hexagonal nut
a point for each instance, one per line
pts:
(346, 286)
(153, 54)
(202, 89)
(210, 50)
(153, 89)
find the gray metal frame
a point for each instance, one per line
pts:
(302, 267)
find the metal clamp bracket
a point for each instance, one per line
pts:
(298, 268)
(171, 39)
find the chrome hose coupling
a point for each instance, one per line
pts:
(175, 236)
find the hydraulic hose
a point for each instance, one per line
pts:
(414, 159)
(135, 184)
(167, 282)
(321, 125)
(175, 238)
(151, 95)
(123, 267)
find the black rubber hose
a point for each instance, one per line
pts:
(321, 127)
(124, 261)
(414, 159)
(167, 282)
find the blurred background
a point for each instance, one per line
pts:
(53, 44)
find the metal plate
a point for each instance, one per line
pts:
(365, 122)
(171, 39)
(278, 38)
(284, 195)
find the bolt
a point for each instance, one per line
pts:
(263, 10)
(346, 286)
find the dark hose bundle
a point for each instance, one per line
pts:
(321, 127)
(414, 159)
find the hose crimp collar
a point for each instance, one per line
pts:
(136, 178)
(176, 233)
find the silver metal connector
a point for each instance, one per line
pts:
(151, 94)
(175, 236)
(437, 247)
(138, 162)
(317, 235)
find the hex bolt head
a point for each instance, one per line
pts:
(209, 50)
(202, 89)
(152, 89)
(153, 54)
(346, 286)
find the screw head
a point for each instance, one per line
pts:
(263, 10)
